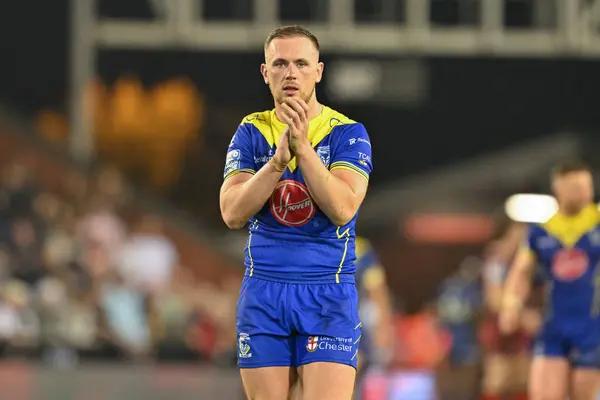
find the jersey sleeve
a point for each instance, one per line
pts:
(240, 157)
(353, 151)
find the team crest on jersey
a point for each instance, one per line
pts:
(594, 237)
(244, 346)
(232, 162)
(313, 343)
(323, 153)
(546, 242)
(291, 204)
(569, 264)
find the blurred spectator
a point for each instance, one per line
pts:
(75, 188)
(174, 315)
(148, 257)
(18, 189)
(19, 324)
(125, 311)
(26, 252)
(111, 185)
(101, 226)
(61, 249)
(5, 267)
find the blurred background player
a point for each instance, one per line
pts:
(567, 246)
(459, 311)
(507, 357)
(298, 174)
(375, 310)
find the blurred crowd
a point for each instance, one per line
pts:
(80, 278)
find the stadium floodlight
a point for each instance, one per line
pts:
(532, 208)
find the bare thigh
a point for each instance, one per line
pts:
(296, 391)
(499, 374)
(549, 379)
(585, 384)
(326, 380)
(268, 383)
(522, 368)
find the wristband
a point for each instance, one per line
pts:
(277, 167)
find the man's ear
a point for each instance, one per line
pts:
(320, 67)
(263, 72)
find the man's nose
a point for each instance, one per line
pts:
(291, 72)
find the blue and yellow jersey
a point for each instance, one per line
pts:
(369, 272)
(568, 250)
(369, 276)
(290, 239)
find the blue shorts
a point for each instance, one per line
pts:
(578, 343)
(290, 324)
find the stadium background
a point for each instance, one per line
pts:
(467, 103)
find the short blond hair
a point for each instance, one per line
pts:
(289, 31)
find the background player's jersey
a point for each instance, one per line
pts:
(568, 249)
(367, 263)
(458, 308)
(290, 239)
(369, 275)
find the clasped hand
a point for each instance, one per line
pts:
(294, 139)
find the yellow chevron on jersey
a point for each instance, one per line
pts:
(568, 229)
(271, 128)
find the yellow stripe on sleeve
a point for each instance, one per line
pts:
(350, 167)
(239, 171)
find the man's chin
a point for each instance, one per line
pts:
(281, 97)
(287, 95)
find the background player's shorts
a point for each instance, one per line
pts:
(289, 324)
(578, 344)
(493, 342)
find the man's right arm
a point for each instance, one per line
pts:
(517, 288)
(243, 195)
(518, 282)
(245, 191)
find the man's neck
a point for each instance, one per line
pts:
(571, 212)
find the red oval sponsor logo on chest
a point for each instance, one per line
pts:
(291, 203)
(570, 264)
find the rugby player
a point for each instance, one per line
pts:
(566, 357)
(297, 175)
(507, 358)
(375, 311)
(458, 311)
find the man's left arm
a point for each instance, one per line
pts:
(339, 190)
